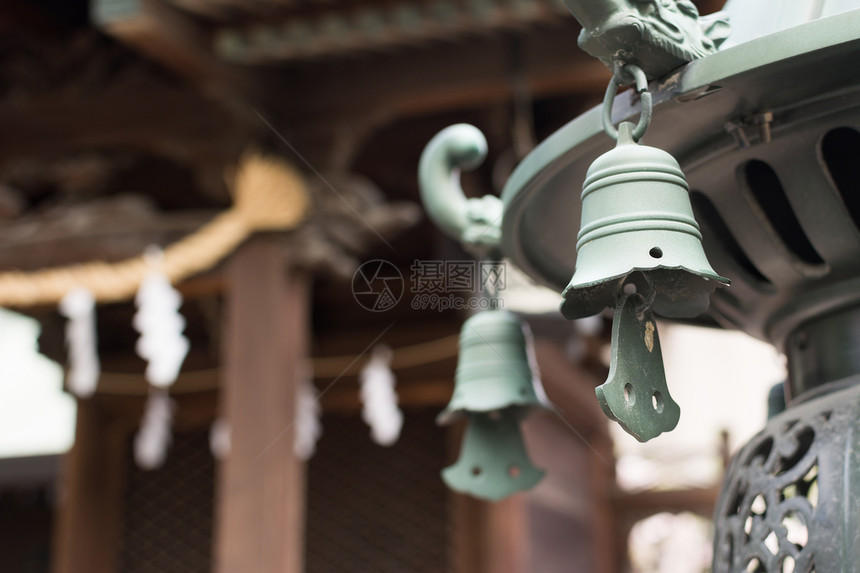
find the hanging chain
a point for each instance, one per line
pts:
(641, 83)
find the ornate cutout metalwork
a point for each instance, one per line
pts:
(789, 503)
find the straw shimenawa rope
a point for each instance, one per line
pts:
(268, 196)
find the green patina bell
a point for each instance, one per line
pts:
(494, 389)
(639, 250)
(493, 372)
(637, 216)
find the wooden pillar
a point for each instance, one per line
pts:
(261, 494)
(490, 537)
(506, 535)
(89, 493)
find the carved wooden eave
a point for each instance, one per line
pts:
(77, 106)
(109, 229)
(200, 38)
(354, 30)
(330, 69)
(171, 37)
(344, 224)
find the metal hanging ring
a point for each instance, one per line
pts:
(645, 98)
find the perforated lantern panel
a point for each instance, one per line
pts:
(790, 499)
(167, 513)
(373, 509)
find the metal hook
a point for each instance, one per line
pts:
(642, 88)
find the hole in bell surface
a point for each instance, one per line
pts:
(476, 471)
(656, 252)
(657, 402)
(629, 396)
(514, 471)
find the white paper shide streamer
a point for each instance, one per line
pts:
(308, 427)
(379, 398)
(160, 325)
(79, 307)
(155, 435)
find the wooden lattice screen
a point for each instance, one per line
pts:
(167, 513)
(373, 509)
(370, 509)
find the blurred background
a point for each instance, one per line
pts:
(122, 122)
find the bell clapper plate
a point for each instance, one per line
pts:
(493, 462)
(635, 393)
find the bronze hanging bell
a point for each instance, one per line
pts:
(494, 389)
(493, 371)
(639, 250)
(637, 216)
